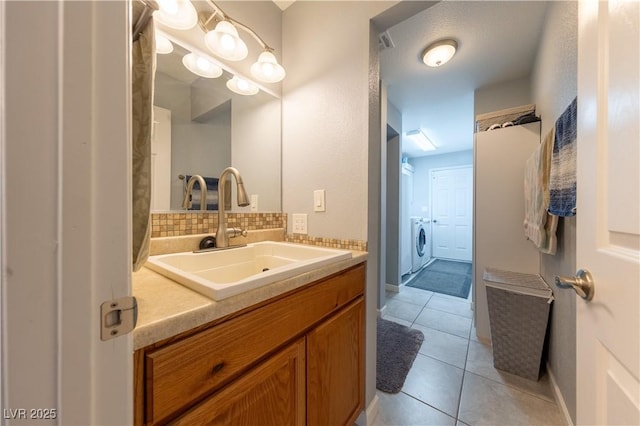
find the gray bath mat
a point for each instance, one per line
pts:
(397, 348)
(446, 277)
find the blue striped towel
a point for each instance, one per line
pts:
(562, 183)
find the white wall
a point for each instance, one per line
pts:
(554, 85)
(423, 166)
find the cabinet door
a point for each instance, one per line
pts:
(335, 368)
(273, 393)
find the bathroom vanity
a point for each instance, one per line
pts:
(291, 353)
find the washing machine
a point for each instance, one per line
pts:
(421, 245)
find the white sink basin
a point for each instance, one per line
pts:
(224, 273)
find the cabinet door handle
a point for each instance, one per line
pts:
(217, 368)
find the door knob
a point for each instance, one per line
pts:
(582, 283)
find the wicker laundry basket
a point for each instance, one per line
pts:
(519, 306)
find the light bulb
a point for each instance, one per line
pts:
(163, 44)
(201, 66)
(178, 14)
(225, 42)
(169, 6)
(267, 68)
(242, 86)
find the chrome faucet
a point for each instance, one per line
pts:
(222, 238)
(203, 192)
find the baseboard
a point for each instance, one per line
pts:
(392, 287)
(372, 410)
(558, 397)
(381, 311)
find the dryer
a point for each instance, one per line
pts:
(420, 243)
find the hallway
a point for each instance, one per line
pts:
(452, 380)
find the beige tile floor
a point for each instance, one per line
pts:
(452, 380)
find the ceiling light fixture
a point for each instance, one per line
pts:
(420, 139)
(242, 86)
(201, 66)
(439, 53)
(177, 14)
(222, 38)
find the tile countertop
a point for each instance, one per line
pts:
(166, 308)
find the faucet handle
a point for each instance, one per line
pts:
(236, 232)
(207, 242)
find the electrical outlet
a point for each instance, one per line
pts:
(254, 203)
(299, 223)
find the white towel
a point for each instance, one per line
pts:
(539, 225)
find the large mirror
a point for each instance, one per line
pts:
(201, 127)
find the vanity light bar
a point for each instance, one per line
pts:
(216, 62)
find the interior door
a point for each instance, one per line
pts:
(608, 228)
(451, 213)
(161, 159)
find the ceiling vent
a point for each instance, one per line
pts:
(384, 41)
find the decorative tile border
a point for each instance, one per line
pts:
(176, 224)
(327, 242)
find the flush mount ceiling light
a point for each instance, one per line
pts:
(177, 14)
(420, 139)
(222, 38)
(242, 86)
(201, 66)
(163, 44)
(439, 53)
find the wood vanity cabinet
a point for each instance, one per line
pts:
(293, 360)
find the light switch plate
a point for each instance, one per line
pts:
(254, 202)
(318, 200)
(299, 223)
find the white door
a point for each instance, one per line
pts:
(66, 211)
(452, 213)
(161, 160)
(608, 228)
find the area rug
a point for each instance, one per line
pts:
(446, 277)
(397, 348)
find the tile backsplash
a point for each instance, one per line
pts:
(176, 224)
(327, 242)
(192, 223)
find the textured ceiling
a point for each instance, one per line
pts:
(497, 42)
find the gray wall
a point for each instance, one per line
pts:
(502, 95)
(554, 85)
(331, 132)
(392, 183)
(393, 212)
(196, 147)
